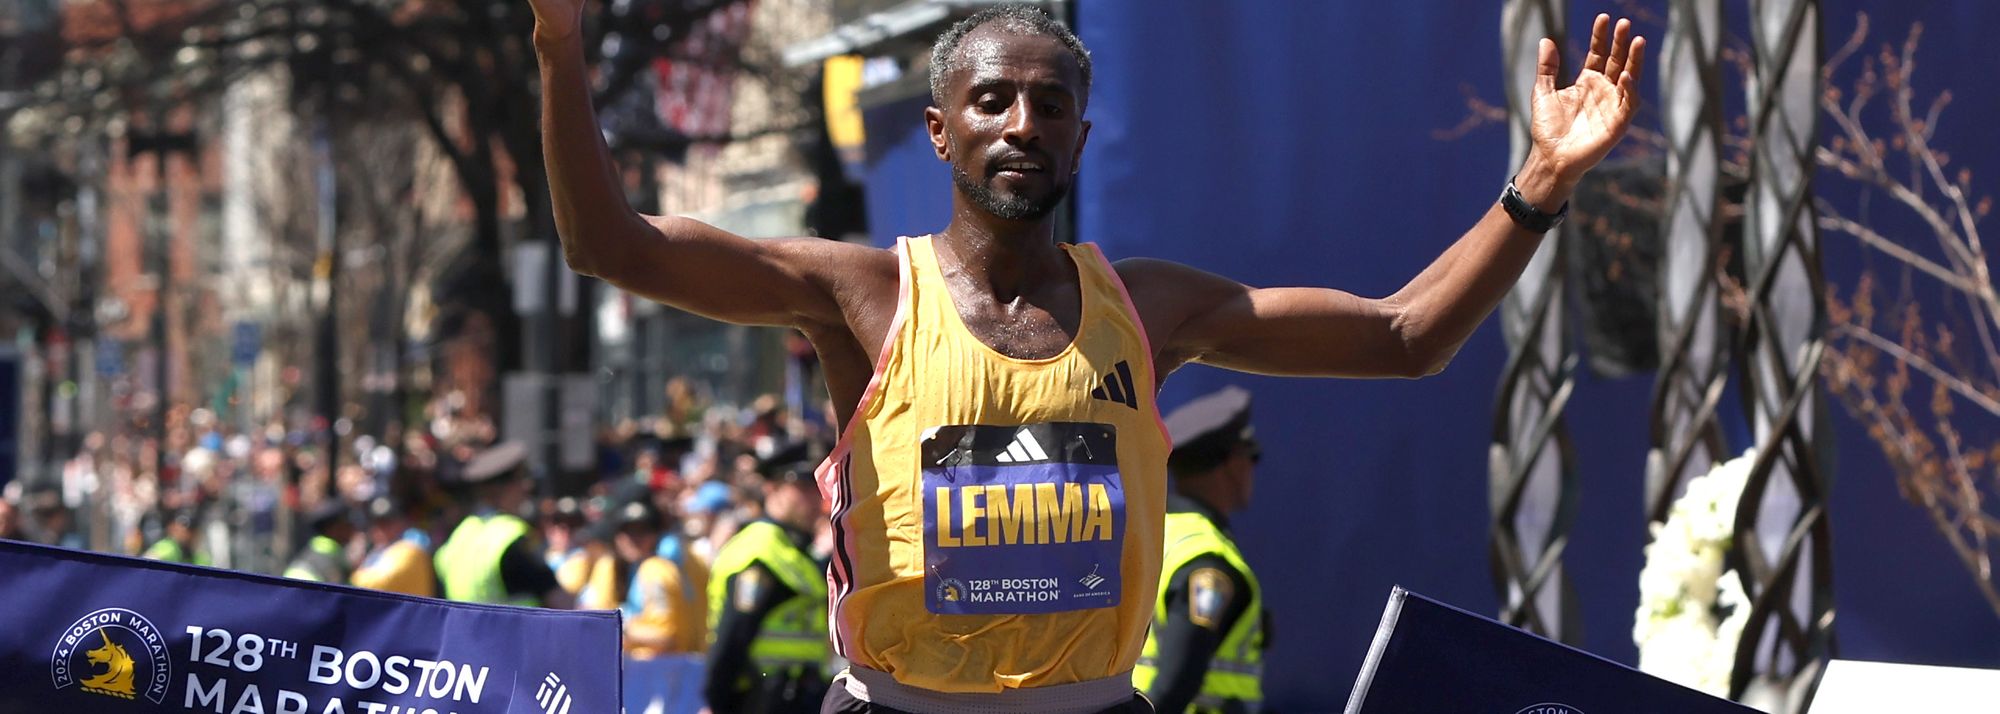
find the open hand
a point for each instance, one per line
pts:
(1575, 127)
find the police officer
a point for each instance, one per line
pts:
(177, 546)
(324, 559)
(491, 555)
(399, 559)
(767, 601)
(1205, 650)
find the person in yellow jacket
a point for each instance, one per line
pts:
(400, 556)
(177, 546)
(491, 555)
(1205, 652)
(767, 602)
(324, 558)
(576, 570)
(665, 602)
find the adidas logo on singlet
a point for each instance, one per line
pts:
(1118, 387)
(1022, 450)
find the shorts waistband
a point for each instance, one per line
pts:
(1087, 697)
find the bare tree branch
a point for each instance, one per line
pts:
(1931, 369)
(1830, 219)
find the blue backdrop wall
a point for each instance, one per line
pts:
(1283, 142)
(1291, 144)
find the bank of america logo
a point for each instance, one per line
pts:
(1092, 580)
(1024, 449)
(553, 696)
(1118, 387)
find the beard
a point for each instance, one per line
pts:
(1011, 206)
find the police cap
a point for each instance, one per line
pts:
(1208, 429)
(568, 511)
(329, 512)
(636, 513)
(495, 463)
(793, 463)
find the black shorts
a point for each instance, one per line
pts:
(839, 701)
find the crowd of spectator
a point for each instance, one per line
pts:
(248, 500)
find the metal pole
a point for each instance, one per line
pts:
(1694, 357)
(1782, 550)
(326, 385)
(552, 346)
(1533, 477)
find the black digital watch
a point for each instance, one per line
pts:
(1526, 215)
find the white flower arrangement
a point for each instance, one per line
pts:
(1691, 610)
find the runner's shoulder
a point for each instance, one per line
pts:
(835, 259)
(1157, 284)
(860, 279)
(1160, 272)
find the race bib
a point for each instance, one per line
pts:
(1022, 520)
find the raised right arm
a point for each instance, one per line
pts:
(675, 260)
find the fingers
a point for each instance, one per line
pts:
(1628, 82)
(1621, 47)
(1635, 67)
(1600, 44)
(1547, 63)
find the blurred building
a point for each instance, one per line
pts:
(174, 218)
(149, 194)
(223, 226)
(44, 310)
(758, 183)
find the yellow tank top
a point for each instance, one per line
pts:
(998, 521)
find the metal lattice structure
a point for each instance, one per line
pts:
(1694, 356)
(1530, 461)
(1782, 548)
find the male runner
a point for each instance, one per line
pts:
(998, 493)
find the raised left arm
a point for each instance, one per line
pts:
(1200, 317)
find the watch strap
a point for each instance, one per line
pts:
(1526, 215)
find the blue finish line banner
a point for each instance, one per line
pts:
(1432, 657)
(86, 632)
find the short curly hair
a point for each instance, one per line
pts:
(1024, 19)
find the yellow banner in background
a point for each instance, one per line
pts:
(842, 78)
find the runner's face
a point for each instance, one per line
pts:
(1012, 125)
